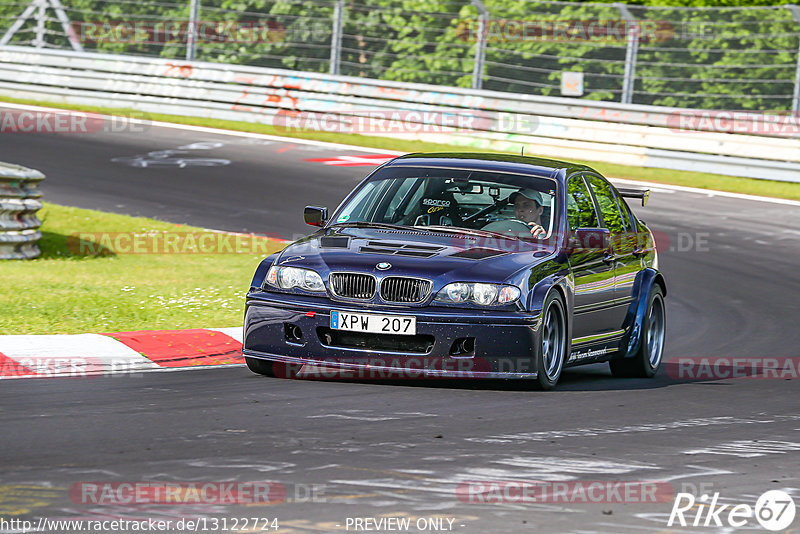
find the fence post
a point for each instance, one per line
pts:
(72, 37)
(480, 46)
(796, 94)
(191, 35)
(630, 53)
(336, 36)
(41, 16)
(41, 6)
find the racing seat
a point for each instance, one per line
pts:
(438, 208)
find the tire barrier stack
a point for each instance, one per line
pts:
(19, 226)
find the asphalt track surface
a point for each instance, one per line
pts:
(401, 449)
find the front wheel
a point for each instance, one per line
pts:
(645, 363)
(554, 342)
(261, 367)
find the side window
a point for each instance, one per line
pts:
(631, 220)
(607, 202)
(580, 208)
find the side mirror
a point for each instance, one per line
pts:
(315, 216)
(586, 239)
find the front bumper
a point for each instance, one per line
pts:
(504, 344)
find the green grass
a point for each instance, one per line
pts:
(66, 291)
(664, 176)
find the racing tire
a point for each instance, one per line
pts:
(554, 342)
(261, 367)
(647, 360)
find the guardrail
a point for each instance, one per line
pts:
(562, 128)
(19, 226)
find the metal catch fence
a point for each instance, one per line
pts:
(707, 58)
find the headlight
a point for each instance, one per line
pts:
(482, 294)
(291, 277)
(508, 294)
(457, 292)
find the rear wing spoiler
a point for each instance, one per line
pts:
(644, 194)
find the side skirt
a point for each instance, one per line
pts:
(594, 352)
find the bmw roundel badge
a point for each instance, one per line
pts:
(384, 265)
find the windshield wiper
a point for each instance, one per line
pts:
(367, 224)
(428, 229)
(470, 231)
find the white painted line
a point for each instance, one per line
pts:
(748, 448)
(191, 368)
(218, 131)
(707, 192)
(234, 133)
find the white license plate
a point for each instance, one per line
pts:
(373, 323)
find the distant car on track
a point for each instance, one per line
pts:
(465, 265)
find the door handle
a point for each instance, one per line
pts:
(608, 257)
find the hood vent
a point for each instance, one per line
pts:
(400, 249)
(478, 253)
(334, 242)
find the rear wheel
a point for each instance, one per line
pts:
(554, 342)
(646, 361)
(261, 367)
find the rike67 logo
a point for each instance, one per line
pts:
(774, 510)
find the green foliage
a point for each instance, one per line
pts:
(707, 58)
(607, 203)
(580, 208)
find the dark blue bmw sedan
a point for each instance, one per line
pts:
(464, 265)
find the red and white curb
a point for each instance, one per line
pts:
(355, 161)
(87, 355)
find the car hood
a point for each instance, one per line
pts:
(434, 255)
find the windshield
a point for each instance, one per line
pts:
(510, 204)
